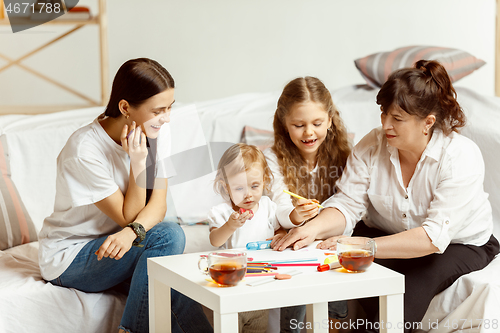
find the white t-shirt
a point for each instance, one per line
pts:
(445, 195)
(283, 200)
(259, 228)
(90, 168)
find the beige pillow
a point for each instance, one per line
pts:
(16, 226)
(377, 67)
(261, 138)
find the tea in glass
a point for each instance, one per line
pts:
(356, 260)
(227, 273)
(226, 268)
(356, 254)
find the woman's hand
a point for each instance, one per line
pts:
(116, 245)
(298, 237)
(134, 143)
(237, 220)
(278, 235)
(306, 209)
(329, 243)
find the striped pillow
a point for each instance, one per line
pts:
(377, 67)
(261, 138)
(16, 226)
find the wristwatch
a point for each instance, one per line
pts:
(139, 231)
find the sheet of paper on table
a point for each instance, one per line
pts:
(308, 252)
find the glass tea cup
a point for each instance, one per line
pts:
(355, 254)
(226, 268)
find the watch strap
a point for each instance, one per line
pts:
(140, 231)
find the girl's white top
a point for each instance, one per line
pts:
(282, 199)
(445, 195)
(259, 228)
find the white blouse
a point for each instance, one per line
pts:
(283, 200)
(445, 194)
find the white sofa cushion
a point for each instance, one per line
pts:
(40, 138)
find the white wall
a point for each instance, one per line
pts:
(219, 48)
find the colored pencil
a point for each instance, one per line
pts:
(298, 264)
(257, 270)
(299, 197)
(260, 274)
(272, 262)
(266, 267)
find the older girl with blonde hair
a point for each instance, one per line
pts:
(308, 156)
(310, 149)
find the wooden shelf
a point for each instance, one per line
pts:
(38, 109)
(26, 21)
(99, 20)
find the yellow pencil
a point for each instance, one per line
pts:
(299, 197)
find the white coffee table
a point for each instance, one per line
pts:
(181, 273)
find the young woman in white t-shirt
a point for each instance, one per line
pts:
(111, 199)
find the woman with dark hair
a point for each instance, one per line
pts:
(111, 199)
(420, 184)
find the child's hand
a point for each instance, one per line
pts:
(242, 210)
(307, 209)
(278, 235)
(237, 220)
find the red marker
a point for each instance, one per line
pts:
(242, 210)
(327, 267)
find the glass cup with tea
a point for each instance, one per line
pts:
(226, 268)
(355, 254)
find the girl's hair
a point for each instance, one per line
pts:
(421, 91)
(136, 81)
(331, 155)
(238, 158)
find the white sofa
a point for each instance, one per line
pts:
(30, 145)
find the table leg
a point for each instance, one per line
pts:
(159, 307)
(391, 313)
(225, 322)
(317, 320)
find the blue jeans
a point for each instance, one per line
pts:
(88, 274)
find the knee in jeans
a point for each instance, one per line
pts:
(170, 234)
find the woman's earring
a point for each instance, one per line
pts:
(425, 132)
(127, 116)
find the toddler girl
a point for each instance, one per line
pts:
(242, 177)
(309, 153)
